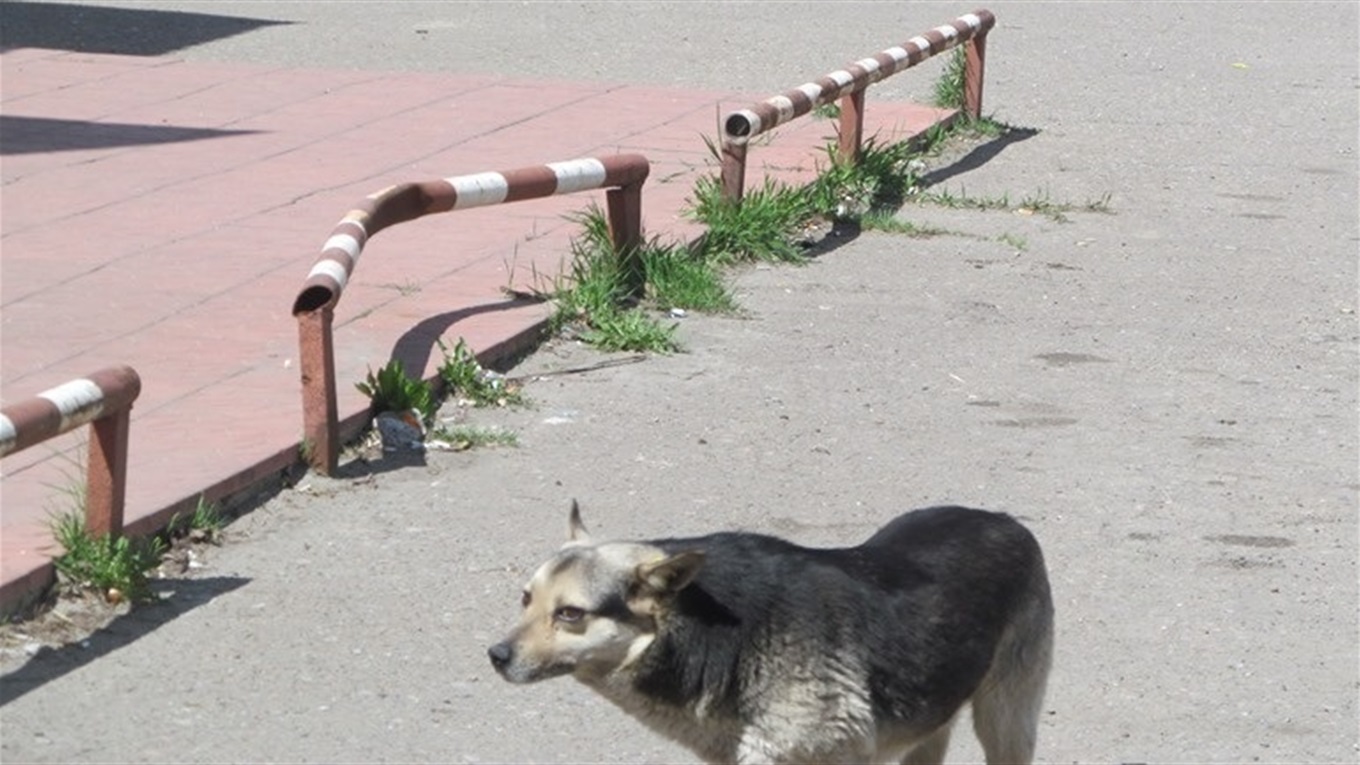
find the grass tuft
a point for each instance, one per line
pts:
(594, 295)
(390, 389)
(204, 524)
(886, 222)
(115, 567)
(464, 376)
(948, 90)
(1013, 240)
(760, 227)
(881, 179)
(630, 330)
(678, 278)
(827, 112)
(464, 437)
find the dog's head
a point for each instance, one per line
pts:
(592, 608)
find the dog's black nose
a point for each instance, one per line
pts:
(500, 654)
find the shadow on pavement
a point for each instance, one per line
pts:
(363, 469)
(122, 31)
(51, 663)
(413, 350)
(416, 344)
(26, 135)
(979, 156)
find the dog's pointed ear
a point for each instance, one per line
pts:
(576, 530)
(671, 575)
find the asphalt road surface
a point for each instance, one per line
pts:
(1165, 391)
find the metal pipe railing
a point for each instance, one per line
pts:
(104, 400)
(622, 175)
(848, 85)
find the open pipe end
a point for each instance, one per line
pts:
(312, 298)
(737, 126)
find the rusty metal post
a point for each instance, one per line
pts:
(851, 127)
(106, 473)
(743, 125)
(976, 53)
(315, 303)
(624, 206)
(733, 170)
(320, 421)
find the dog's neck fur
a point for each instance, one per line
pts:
(672, 691)
(692, 723)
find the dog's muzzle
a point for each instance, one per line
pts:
(501, 655)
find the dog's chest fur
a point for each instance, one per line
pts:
(760, 696)
(694, 725)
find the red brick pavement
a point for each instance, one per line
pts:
(163, 214)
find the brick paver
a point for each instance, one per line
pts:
(163, 214)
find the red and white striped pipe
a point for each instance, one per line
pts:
(66, 407)
(408, 201)
(745, 124)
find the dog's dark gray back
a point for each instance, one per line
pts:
(955, 569)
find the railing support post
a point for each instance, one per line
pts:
(976, 59)
(733, 170)
(320, 421)
(106, 474)
(104, 400)
(851, 127)
(314, 307)
(624, 206)
(740, 127)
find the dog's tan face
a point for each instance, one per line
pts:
(590, 609)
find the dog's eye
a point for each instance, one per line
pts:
(569, 614)
(525, 599)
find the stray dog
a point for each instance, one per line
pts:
(750, 649)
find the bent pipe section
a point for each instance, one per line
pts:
(397, 204)
(743, 125)
(66, 407)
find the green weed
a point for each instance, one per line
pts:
(116, 567)
(888, 223)
(1018, 242)
(463, 437)
(1101, 205)
(204, 524)
(595, 295)
(962, 200)
(678, 278)
(630, 330)
(948, 90)
(1037, 203)
(827, 112)
(464, 377)
(391, 390)
(982, 127)
(881, 178)
(761, 226)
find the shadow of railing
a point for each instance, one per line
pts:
(979, 156)
(122, 31)
(27, 135)
(417, 344)
(48, 664)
